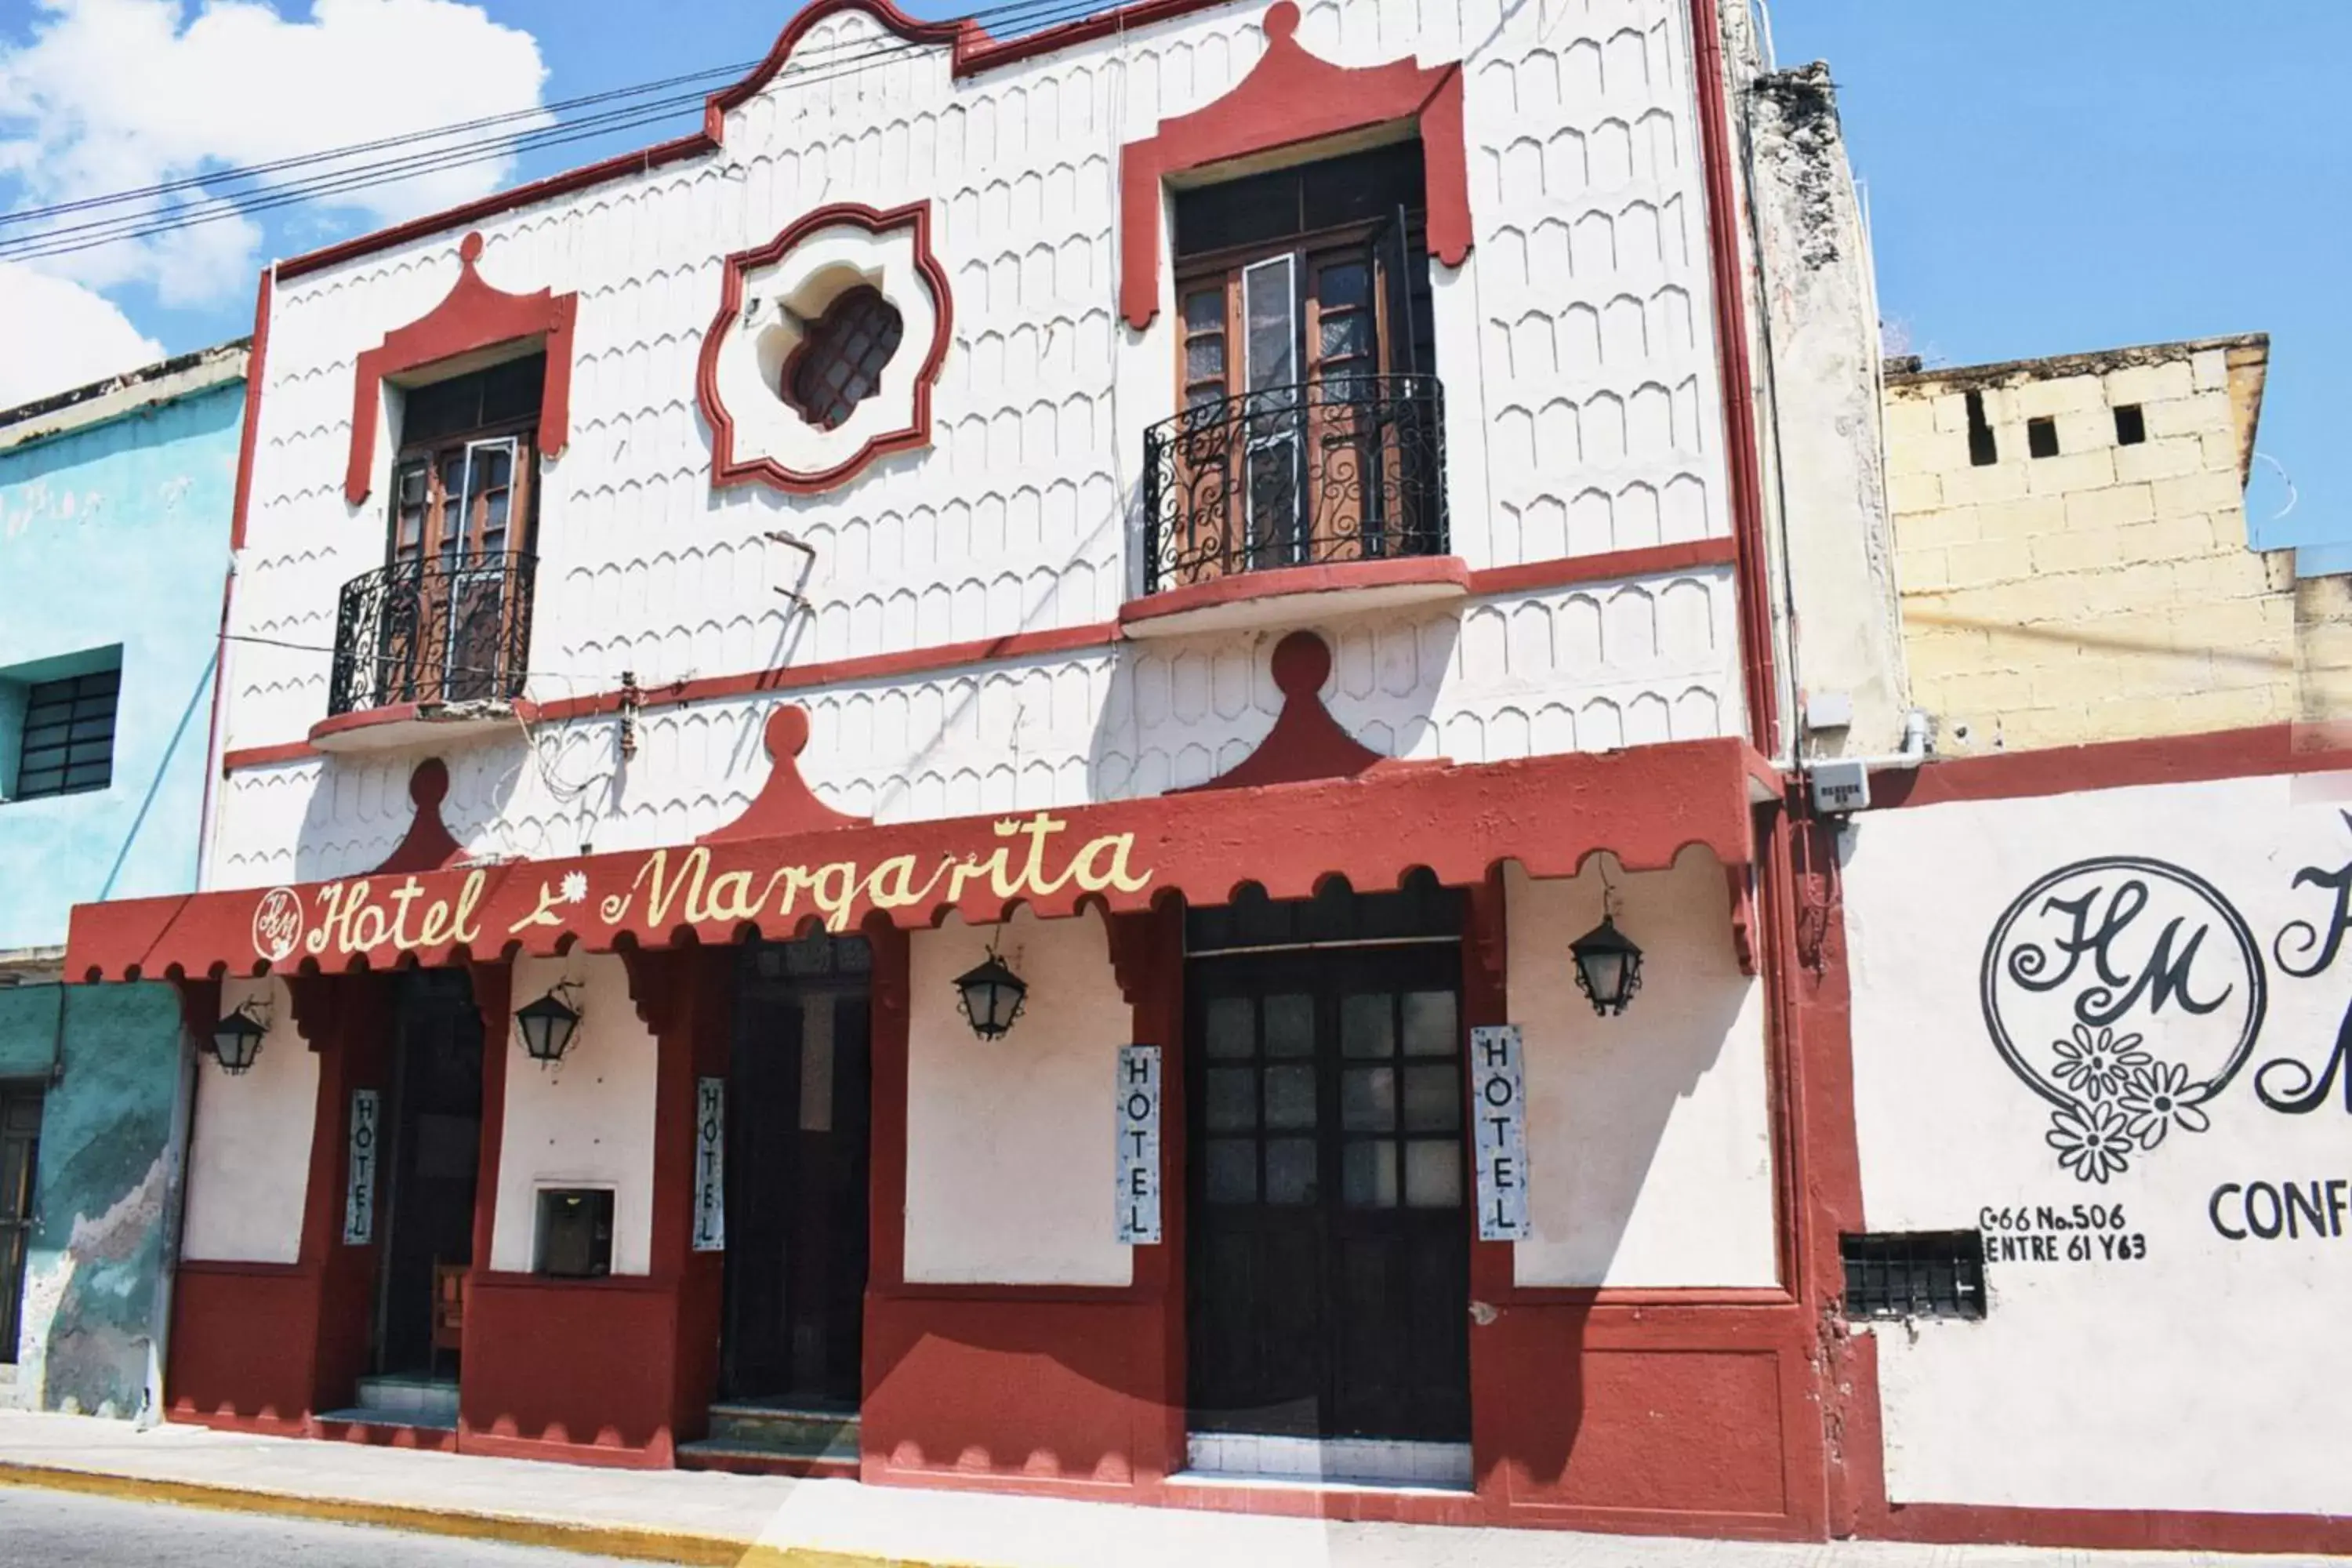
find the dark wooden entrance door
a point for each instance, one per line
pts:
(433, 1112)
(797, 1159)
(1329, 1270)
(20, 1158)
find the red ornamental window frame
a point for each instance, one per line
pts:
(1288, 99)
(471, 317)
(725, 467)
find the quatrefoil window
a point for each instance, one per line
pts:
(839, 362)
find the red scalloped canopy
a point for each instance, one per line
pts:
(1644, 806)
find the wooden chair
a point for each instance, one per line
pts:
(448, 1310)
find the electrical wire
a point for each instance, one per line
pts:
(810, 68)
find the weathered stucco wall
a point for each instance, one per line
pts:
(1825, 480)
(2168, 1334)
(104, 1188)
(1009, 1142)
(115, 534)
(2106, 591)
(1649, 1135)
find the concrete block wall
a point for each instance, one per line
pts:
(2108, 591)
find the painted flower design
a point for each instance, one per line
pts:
(575, 887)
(2097, 1063)
(2093, 1141)
(2157, 1100)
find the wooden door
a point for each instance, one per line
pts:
(798, 1121)
(1328, 1290)
(431, 1163)
(20, 1155)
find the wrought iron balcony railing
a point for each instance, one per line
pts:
(1346, 468)
(444, 628)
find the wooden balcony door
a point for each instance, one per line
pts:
(453, 533)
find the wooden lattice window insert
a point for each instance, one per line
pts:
(839, 363)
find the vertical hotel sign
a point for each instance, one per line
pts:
(1498, 1100)
(1138, 1161)
(359, 1190)
(709, 1164)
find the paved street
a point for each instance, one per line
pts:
(64, 1530)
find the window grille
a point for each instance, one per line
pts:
(1913, 1274)
(839, 364)
(68, 735)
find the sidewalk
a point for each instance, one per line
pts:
(689, 1517)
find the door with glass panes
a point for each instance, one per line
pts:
(1329, 1270)
(1305, 301)
(462, 513)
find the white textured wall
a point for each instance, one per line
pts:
(1584, 416)
(2208, 1375)
(1649, 1135)
(249, 1152)
(1009, 1142)
(587, 1121)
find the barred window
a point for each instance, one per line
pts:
(839, 363)
(1913, 1274)
(68, 739)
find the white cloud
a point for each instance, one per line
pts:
(56, 335)
(117, 95)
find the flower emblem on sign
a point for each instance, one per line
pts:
(278, 924)
(575, 887)
(2127, 993)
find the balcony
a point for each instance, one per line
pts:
(437, 646)
(1293, 502)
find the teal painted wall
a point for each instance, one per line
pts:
(117, 534)
(104, 1188)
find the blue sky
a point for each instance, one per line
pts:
(2045, 176)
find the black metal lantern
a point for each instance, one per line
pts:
(236, 1039)
(547, 1026)
(1608, 966)
(990, 995)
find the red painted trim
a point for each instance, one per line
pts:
(716, 108)
(1742, 462)
(725, 467)
(751, 1464)
(215, 733)
(1649, 560)
(890, 1012)
(785, 804)
(1645, 803)
(972, 52)
(2149, 1529)
(1527, 577)
(642, 161)
(494, 1000)
(976, 52)
(473, 315)
(1291, 97)
(254, 359)
(791, 678)
(384, 1435)
(266, 756)
(2268, 748)
(427, 846)
(1346, 576)
(1306, 742)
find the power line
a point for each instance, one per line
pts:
(855, 56)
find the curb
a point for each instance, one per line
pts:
(645, 1546)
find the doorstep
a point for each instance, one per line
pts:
(768, 1437)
